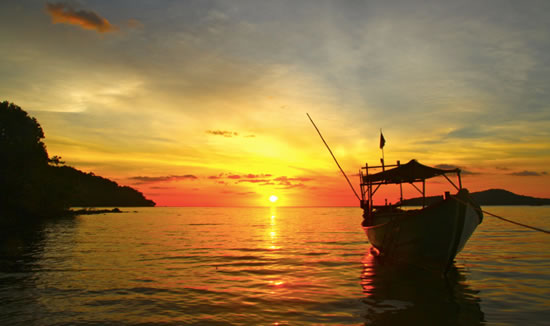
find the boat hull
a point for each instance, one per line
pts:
(428, 238)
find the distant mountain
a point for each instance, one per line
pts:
(491, 197)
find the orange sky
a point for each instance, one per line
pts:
(204, 103)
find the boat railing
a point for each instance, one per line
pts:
(369, 186)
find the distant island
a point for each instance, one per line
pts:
(35, 186)
(491, 197)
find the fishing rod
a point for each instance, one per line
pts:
(335, 160)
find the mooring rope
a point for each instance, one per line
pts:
(502, 218)
(516, 223)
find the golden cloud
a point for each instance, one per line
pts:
(63, 13)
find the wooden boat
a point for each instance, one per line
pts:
(429, 237)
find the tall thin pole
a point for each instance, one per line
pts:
(344, 173)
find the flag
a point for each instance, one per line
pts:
(382, 140)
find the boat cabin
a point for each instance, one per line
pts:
(412, 173)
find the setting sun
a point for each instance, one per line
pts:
(273, 198)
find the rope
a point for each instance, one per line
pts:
(502, 218)
(516, 223)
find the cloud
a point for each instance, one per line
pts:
(451, 167)
(225, 133)
(244, 193)
(446, 166)
(287, 179)
(145, 179)
(134, 23)
(262, 179)
(64, 13)
(468, 132)
(252, 176)
(526, 173)
(228, 133)
(233, 176)
(287, 183)
(290, 186)
(254, 180)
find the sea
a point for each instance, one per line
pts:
(264, 266)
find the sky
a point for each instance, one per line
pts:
(203, 103)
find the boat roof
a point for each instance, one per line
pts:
(410, 172)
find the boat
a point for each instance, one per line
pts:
(428, 237)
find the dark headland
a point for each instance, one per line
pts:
(491, 197)
(36, 187)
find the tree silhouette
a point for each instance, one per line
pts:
(20, 138)
(34, 186)
(23, 166)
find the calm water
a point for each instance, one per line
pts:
(262, 266)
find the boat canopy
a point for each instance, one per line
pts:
(410, 172)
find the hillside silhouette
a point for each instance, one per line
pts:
(33, 185)
(90, 190)
(491, 197)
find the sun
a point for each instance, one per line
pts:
(273, 198)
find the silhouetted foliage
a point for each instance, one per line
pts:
(88, 190)
(56, 160)
(32, 188)
(23, 166)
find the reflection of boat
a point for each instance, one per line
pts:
(429, 237)
(409, 296)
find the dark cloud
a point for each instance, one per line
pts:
(216, 177)
(526, 173)
(145, 179)
(64, 13)
(468, 133)
(245, 193)
(446, 166)
(225, 133)
(288, 183)
(263, 179)
(290, 186)
(287, 179)
(233, 176)
(452, 167)
(252, 176)
(254, 180)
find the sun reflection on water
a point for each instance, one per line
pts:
(273, 230)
